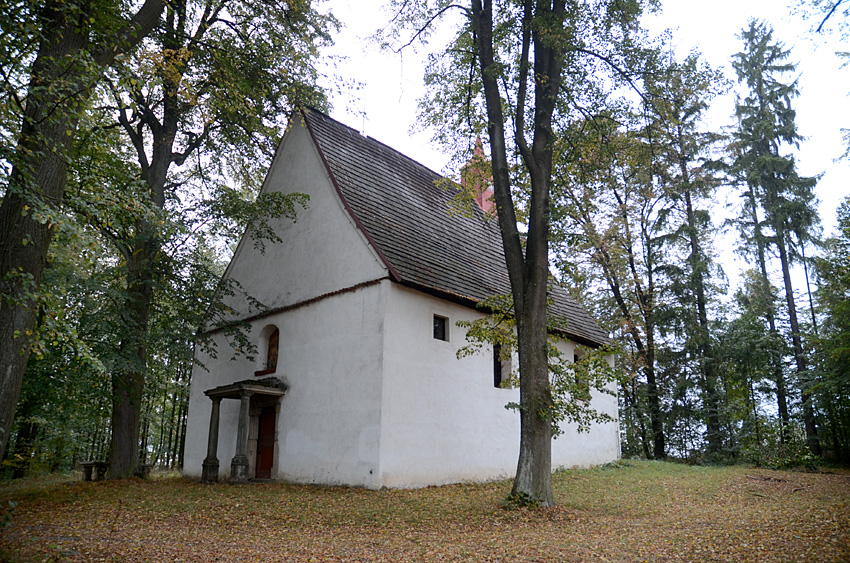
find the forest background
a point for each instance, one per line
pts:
(651, 168)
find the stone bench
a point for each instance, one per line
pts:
(99, 468)
(143, 470)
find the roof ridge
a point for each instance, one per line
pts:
(374, 140)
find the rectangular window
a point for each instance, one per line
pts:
(501, 367)
(582, 384)
(441, 328)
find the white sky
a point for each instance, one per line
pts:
(392, 83)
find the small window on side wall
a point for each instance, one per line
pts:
(501, 368)
(441, 328)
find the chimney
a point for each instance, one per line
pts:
(476, 178)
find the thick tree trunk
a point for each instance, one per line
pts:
(128, 383)
(37, 180)
(528, 271)
(534, 467)
(143, 251)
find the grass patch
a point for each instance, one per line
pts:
(629, 511)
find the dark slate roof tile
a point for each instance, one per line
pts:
(404, 208)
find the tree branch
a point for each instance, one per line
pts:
(428, 23)
(519, 119)
(829, 15)
(136, 29)
(135, 134)
(619, 70)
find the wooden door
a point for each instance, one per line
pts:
(265, 443)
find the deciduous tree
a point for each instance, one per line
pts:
(53, 54)
(505, 71)
(213, 85)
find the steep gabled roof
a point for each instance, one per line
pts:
(404, 210)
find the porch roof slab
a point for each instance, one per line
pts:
(268, 386)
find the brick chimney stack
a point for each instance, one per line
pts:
(476, 177)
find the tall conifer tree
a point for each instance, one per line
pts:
(677, 98)
(778, 200)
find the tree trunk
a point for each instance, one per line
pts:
(659, 445)
(60, 80)
(646, 352)
(143, 251)
(808, 287)
(707, 363)
(534, 467)
(128, 382)
(58, 454)
(172, 426)
(27, 434)
(528, 271)
(143, 435)
(181, 448)
(802, 373)
(778, 374)
(37, 180)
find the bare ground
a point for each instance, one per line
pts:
(630, 512)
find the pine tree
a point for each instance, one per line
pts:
(833, 346)
(779, 201)
(677, 98)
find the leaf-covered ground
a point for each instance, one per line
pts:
(631, 512)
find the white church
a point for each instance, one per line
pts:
(357, 380)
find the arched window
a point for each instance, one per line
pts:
(268, 350)
(271, 357)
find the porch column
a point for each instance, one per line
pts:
(210, 473)
(239, 464)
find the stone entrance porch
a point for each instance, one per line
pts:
(253, 396)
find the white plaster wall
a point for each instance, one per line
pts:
(322, 251)
(443, 420)
(330, 418)
(601, 443)
(429, 419)
(330, 356)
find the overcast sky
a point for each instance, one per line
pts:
(392, 83)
